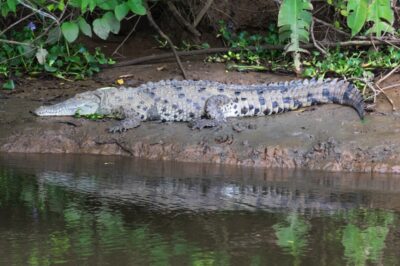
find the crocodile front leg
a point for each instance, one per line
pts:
(131, 120)
(213, 111)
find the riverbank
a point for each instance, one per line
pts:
(328, 137)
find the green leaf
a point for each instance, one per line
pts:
(357, 15)
(84, 5)
(121, 11)
(107, 5)
(27, 51)
(61, 6)
(137, 7)
(85, 27)
(92, 5)
(4, 11)
(75, 3)
(50, 7)
(381, 14)
(12, 5)
(112, 22)
(9, 85)
(41, 55)
(101, 28)
(70, 31)
(53, 36)
(49, 68)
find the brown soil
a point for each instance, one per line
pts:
(328, 137)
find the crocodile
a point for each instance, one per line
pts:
(204, 103)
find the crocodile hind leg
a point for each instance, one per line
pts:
(130, 120)
(213, 112)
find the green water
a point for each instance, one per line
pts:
(94, 210)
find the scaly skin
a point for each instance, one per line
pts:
(204, 103)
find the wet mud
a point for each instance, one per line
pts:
(327, 137)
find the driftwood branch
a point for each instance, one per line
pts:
(202, 12)
(171, 44)
(250, 48)
(182, 20)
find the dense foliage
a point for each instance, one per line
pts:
(38, 37)
(376, 17)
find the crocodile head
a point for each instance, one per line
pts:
(83, 103)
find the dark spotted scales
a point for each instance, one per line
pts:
(207, 103)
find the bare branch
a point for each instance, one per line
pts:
(127, 36)
(182, 20)
(315, 41)
(202, 12)
(171, 44)
(27, 4)
(331, 26)
(17, 22)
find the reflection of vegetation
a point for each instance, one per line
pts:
(66, 228)
(292, 235)
(366, 241)
(44, 224)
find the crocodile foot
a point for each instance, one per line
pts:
(124, 125)
(117, 129)
(239, 127)
(205, 123)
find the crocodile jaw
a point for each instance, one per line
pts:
(69, 108)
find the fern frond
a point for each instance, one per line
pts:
(294, 22)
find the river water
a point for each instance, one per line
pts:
(98, 210)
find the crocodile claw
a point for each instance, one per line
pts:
(124, 125)
(117, 129)
(205, 123)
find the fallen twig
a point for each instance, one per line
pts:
(387, 75)
(376, 89)
(387, 97)
(391, 86)
(391, 44)
(171, 44)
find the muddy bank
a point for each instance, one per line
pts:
(329, 137)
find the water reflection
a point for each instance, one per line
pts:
(101, 210)
(292, 235)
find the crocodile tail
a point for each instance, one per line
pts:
(345, 93)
